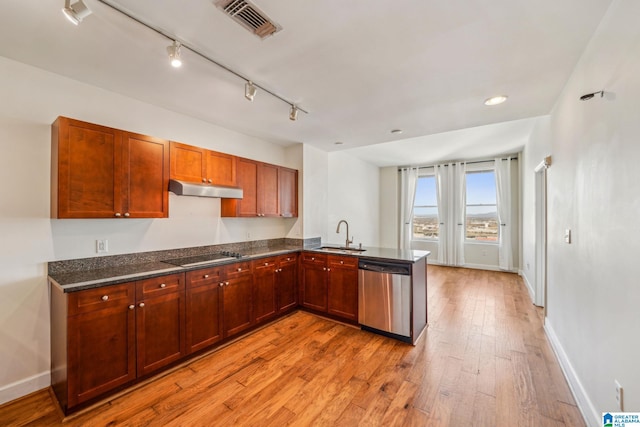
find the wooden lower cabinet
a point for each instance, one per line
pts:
(287, 283)
(329, 284)
(265, 273)
(342, 287)
(160, 323)
(237, 299)
(107, 337)
(313, 281)
(204, 308)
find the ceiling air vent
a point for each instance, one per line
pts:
(249, 16)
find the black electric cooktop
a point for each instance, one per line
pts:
(204, 259)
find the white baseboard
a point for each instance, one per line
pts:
(528, 285)
(585, 405)
(23, 387)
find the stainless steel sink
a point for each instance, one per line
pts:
(341, 249)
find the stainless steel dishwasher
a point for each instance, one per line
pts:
(384, 298)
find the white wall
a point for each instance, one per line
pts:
(389, 207)
(31, 100)
(354, 196)
(593, 297)
(315, 182)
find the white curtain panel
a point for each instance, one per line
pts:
(408, 183)
(503, 200)
(460, 213)
(443, 197)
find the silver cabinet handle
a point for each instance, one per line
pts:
(162, 285)
(324, 268)
(341, 262)
(209, 180)
(204, 180)
(105, 297)
(206, 276)
(131, 307)
(126, 214)
(118, 215)
(266, 264)
(328, 269)
(239, 268)
(141, 305)
(221, 284)
(226, 283)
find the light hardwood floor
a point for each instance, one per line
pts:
(483, 361)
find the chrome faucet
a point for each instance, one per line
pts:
(348, 242)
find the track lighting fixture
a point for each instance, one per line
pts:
(293, 113)
(250, 91)
(76, 12)
(588, 96)
(174, 54)
(81, 11)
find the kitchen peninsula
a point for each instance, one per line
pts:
(117, 320)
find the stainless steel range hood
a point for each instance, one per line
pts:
(182, 188)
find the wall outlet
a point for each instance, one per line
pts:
(248, 235)
(567, 236)
(619, 396)
(102, 246)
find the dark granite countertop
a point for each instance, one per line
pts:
(387, 254)
(93, 278)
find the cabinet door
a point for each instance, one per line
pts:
(247, 178)
(85, 167)
(343, 287)
(264, 289)
(237, 304)
(268, 204)
(101, 341)
(160, 322)
(145, 176)
(204, 316)
(221, 169)
(288, 192)
(188, 163)
(313, 282)
(287, 283)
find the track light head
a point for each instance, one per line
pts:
(174, 54)
(250, 91)
(76, 12)
(588, 96)
(293, 113)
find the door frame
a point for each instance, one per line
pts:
(540, 288)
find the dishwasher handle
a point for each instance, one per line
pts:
(385, 267)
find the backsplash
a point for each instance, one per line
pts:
(66, 266)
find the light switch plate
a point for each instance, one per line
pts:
(567, 236)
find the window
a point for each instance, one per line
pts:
(425, 210)
(482, 212)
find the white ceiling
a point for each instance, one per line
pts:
(360, 67)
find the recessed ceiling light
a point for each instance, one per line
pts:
(338, 143)
(396, 131)
(495, 100)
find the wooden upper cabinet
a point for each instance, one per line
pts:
(268, 204)
(221, 169)
(188, 163)
(268, 191)
(195, 164)
(145, 167)
(101, 172)
(288, 192)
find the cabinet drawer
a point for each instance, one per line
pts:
(101, 298)
(238, 269)
(342, 261)
(313, 258)
(204, 276)
(287, 259)
(157, 286)
(264, 263)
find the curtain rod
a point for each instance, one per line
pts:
(468, 163)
